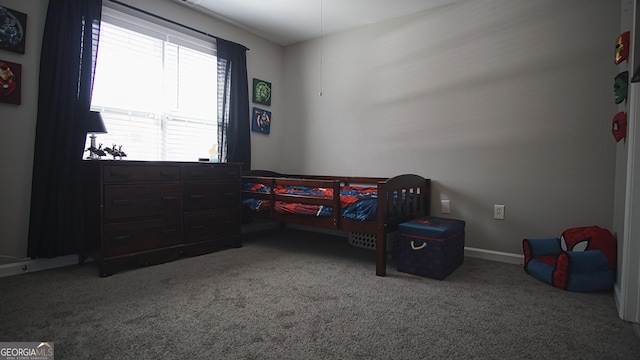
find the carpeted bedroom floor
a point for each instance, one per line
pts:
(290, 294)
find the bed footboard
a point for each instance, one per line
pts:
(401, 198)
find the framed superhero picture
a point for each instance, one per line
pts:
(261, 92)
(261, 121)
(622, 47)
(10, 75)
(13, 29)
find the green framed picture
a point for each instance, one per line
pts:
(261, 92)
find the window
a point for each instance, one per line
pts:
(156, 89)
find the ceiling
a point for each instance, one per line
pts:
(287, 22)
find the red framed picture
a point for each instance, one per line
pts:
(10, 80)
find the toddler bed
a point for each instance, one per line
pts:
(368, 205)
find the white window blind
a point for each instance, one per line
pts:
(156, 89)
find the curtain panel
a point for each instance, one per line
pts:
(67, 62)
(234, 143)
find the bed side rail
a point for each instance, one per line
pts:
(267, 181)
(346, 180)
(332, 200)
(272, 182)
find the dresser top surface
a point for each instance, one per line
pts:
(156, 163)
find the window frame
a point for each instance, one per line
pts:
(166, 32)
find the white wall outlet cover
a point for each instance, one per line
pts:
(446, 206)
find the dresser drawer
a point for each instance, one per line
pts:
(132, 201)
(207, 172)
(210, 196)
(211, 225)
(134, 236)
(151, 173)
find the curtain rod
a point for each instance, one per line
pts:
(167, 20)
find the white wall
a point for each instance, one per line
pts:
(17, 136)
(498, 101)
(17, 123)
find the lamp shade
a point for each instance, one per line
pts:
(96, 125)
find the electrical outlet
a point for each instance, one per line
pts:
(446, 206)
(498, 212)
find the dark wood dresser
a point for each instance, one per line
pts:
(148, 212)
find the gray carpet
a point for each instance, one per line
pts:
(298, 295)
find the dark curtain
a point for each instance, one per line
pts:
(234, 143)
(69, 49)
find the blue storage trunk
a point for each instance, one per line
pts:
(430, 246)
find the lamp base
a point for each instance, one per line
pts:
(92, 148)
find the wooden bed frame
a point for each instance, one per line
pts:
(387, 218)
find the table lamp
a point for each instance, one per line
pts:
(95, 126)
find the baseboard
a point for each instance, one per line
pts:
(332, 232)
(468, 251)
(23, 267)
(494, 255)
(258, 226)
(269, 224)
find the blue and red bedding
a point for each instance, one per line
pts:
(356, 202)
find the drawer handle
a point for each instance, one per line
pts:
(197, 196)
(197, 227)
(167, 173)
(121, 202)
(230, 194)
(424, 245)
(121, 238)
(166, 231)
(168, 198)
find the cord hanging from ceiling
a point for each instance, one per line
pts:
(321, 8)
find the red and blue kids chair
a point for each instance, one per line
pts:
(583, 259)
